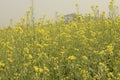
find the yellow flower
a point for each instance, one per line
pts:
(26, 50)
(28, 12)
(97, 6)
(110, 74)
(73, 24)
(42, 31)
(46, 69)
(110, 49)
(80, 18)
(46, 45)
(30, 56)
(10, 60)
(23, 19)
(80, 32)
(101, 64)
(107, 23)
(76, 49)
(2, 64)
(118, 74)
(101, 52)
(62, 52)
(56, 67)
(71, 58)
(76, 5)
(39, 45)
(26, 64)
(93, 33)
(10, 48)
(37, 69)
(19, 29)
(85, 57)
(40, 70)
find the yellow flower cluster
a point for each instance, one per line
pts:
(38, 69)
(72, 58)
(2, 64)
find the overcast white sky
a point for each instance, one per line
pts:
(15, 9)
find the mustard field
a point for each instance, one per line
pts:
(85, 48)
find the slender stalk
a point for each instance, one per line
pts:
(32, 13)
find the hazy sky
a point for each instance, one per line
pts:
(16, 9)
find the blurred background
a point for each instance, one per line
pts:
(15, 9)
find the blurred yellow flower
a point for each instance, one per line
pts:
(38, 69)
(110, 75)
(76, 49)
(101, 64)
(30, 56)
(46, 69)
(10, 60)
(26, 49)
(85, 57)
(72, 58)
(39, 45)
(80, 18)
(93, 33)
(101, 52)
(23, 19)
(62, 53)
(2, 64)
(110, 49)
(76, 5)
(41, 31)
